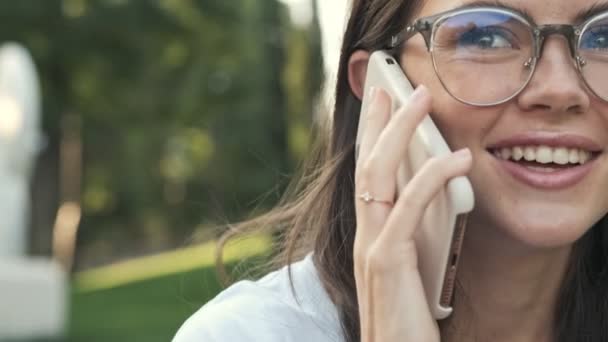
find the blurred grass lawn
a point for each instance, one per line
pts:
(149, 298)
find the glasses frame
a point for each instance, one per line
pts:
(427, 27)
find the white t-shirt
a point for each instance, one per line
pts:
(266, 310)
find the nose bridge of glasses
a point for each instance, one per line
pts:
(542, 32)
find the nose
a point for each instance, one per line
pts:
(556, 86)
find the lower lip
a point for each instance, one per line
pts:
(552, 180)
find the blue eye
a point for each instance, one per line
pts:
(595, 38)
(487, 38)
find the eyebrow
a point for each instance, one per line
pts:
(498, 4)
(594, 9)
(581, 16)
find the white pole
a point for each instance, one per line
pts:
(332, 18)
(19, 145)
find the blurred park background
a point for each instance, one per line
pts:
(163, 119)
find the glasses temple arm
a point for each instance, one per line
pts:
(421, 26)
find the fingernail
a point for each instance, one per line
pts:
(419, 93)
(464, 153)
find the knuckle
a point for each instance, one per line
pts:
(375, 261)
(366, 172)
(438, 166)
(359, 258)
(435, 163)
(357, 253)
(359, 249)
(409, 117)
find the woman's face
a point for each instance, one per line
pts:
(541, 206)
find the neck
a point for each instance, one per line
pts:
(507, 291)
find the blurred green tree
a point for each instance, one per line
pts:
(190, 111)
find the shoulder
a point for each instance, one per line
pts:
(268, 310)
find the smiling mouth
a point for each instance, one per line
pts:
(544, 167)
(545, 158)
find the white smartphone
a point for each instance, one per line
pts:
(439, 236)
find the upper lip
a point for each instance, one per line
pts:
(550, 139)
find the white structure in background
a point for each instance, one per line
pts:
(19, 145)
(32, 290)
(332, 19)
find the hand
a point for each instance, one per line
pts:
(392, 302)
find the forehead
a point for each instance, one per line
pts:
(542, 11)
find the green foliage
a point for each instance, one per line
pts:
(150, 310)
(190, 109)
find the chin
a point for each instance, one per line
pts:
(541, 225)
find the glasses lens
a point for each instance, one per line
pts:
(593, 49)
(481, 56)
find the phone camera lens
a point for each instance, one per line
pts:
(390, 61)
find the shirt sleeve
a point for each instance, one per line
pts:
(267, 310)
(245, 314)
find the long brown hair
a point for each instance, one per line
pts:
(318, 214)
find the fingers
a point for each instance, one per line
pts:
(375, 119)
(384, 238)
(418, 193)
(383, 146)
(393, 142)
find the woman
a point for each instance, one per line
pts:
(519, 89)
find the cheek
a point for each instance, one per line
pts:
(535, 220)
(461, 125)
(418, 66)
(458, 130)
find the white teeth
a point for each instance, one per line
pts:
(518, 153)
(529, 153)
(544, 154)
(560, 156)
(573, 156)
(583, 156)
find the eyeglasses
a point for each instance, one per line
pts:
(485, 56)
